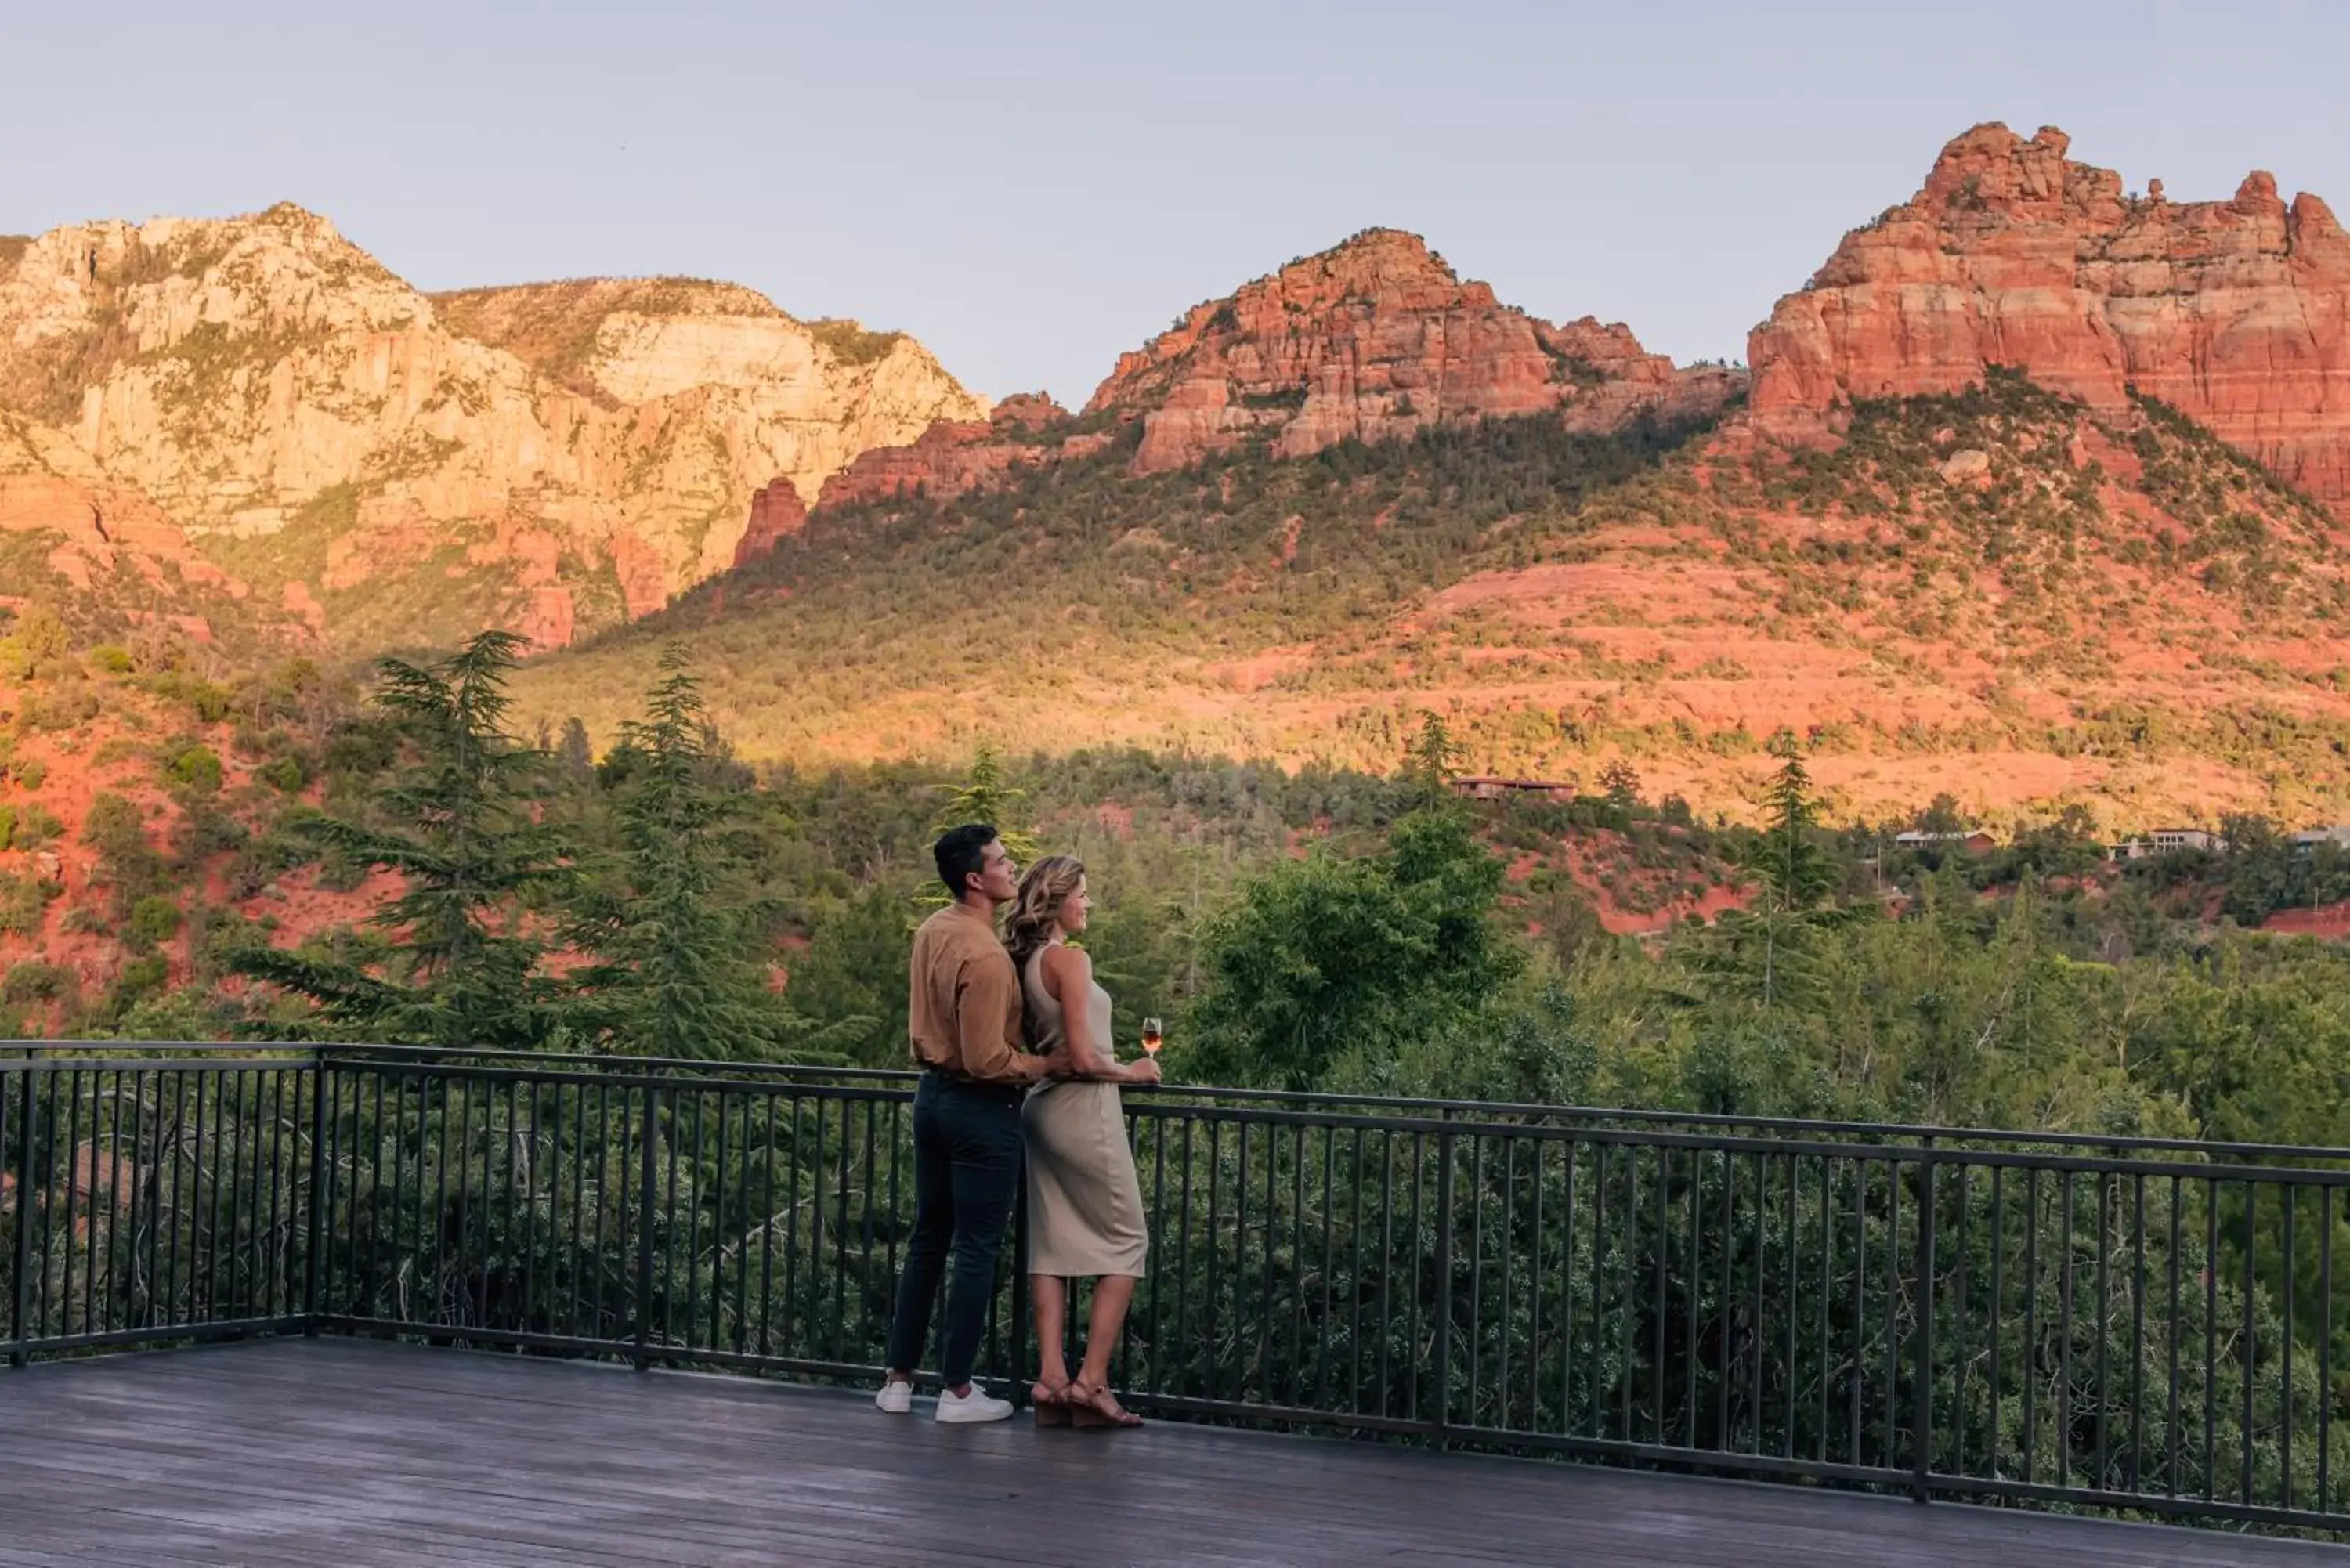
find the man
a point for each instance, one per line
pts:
(965, 1020)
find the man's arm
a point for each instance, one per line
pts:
(983, 1001)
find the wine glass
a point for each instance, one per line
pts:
(1152, 1035)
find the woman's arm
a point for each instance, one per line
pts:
(1070, 980)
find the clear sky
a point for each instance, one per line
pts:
(1031, 187)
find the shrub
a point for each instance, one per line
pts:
(36, 827)
(22, 899)
(286, 774)
(7, 823)
(30, 772)
(34, 981)
(196, 768)
(209, 700)
(61, 708)
(154, 918)
(139, 978)
(114, 828)
(110, 658)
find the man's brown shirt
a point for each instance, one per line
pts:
(964, 1009)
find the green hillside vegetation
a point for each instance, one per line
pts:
(1988, 479)
(1082, 575)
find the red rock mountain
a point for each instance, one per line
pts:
(2235, 312)
(1375, 338)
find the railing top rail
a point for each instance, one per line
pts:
(1487, 1114)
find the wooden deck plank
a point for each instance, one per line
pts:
(359, 1453)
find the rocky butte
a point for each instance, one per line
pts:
(1374, 339)
(1378, 337)
(2237, 312)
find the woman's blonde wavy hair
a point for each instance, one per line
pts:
(1044, 889)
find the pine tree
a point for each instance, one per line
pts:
(1797, 870)
(453, 966)
(1431, 762)
(1765, 950)
(986, 795)
(680, 970)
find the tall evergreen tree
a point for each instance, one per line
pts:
(675, 926)
(1431, 762)
(454, 965)
(985, 794)
(1765, 951)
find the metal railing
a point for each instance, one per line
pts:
(2147, 1326)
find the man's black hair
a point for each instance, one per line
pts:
(961, 852)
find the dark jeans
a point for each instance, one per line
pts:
(967, 1151)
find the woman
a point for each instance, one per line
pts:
(1085, 1204)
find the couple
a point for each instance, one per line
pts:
(1014, 1049)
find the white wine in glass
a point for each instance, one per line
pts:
(1152, 1035)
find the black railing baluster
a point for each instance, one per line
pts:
(2290, 1192)
(2250, 1340)
(604, 1190)
(1535, 1276)
(1891, 1447)
(1444, 1269)
(20, 1309)
(1183, 1271)
(1756, 1335)
(1664, 1248)
(648, 1130)
(2137, 1336)
(1329, 1242)
(1412, 1298)
(2211, 1338)
(2070, 1397)
(1567, 1408)
(2173, 1442)
(1211, 1302)
(70, 1148)
(526, 1135)
(865, 1260)
(1827, 1286)
(1787, 1364)
(2104, 1327)
(2030, 1356)
(792, 1326)
(2326, 1391)
(1921, 1437)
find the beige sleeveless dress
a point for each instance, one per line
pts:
(1085, 1202)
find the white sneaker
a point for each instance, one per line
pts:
(896, 1398)
(973, 1406)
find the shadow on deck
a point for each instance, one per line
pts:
(355, 1453)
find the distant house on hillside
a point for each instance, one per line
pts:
(2170, 841)
(1973, 841)
(1482, 788)
(2337, 836)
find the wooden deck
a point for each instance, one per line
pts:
(352, 1453)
